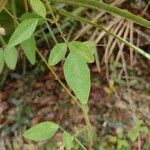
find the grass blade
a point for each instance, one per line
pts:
(81, 19)
(109, 8)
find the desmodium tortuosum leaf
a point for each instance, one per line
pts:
(11, 57)
(57, 53)
(77, 75)
(90, 45)
(29, 47)
(68, 140)
(32, 15)
(1, 60)
(81, 19)
(42, 131)
(23, 32)
(38, 7)
(85, 50)
(109, 8)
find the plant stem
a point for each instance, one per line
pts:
(26, 5)
(57, 78)
(84, 148)
(89, 126)
(51, 32)
(55, 19)
(11, 15)
(2, 41)
(14, 11)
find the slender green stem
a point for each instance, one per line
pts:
(55, 20)
(11, 15)
(24, 66)
(52, 34)
(14, 11)
(45, 37)
(26, 5)
(84, 148)
(2, 41)
(89, 126)
(57, 78)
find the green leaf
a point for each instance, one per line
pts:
(109, 8)
(57, 54)
(38, 7)
(133, 135)
(91, 45)
(84, 49)
(68, 140)
(23, 32)
(77, 75)
(32, 15)
(42, 131)
(11, 56)
(29, 47)
(144, 130)
(1, 60)
(121, 144)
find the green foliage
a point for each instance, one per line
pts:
(57, 53)
(29, 47)
(121, 143)
(85, 50)
(137, 129)
(124, 139)
(38, 7)
(42, 131)
(23, 32)
(32, 15)
(11, 56)
(1, 60)
(68, 140)
(77, 75)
